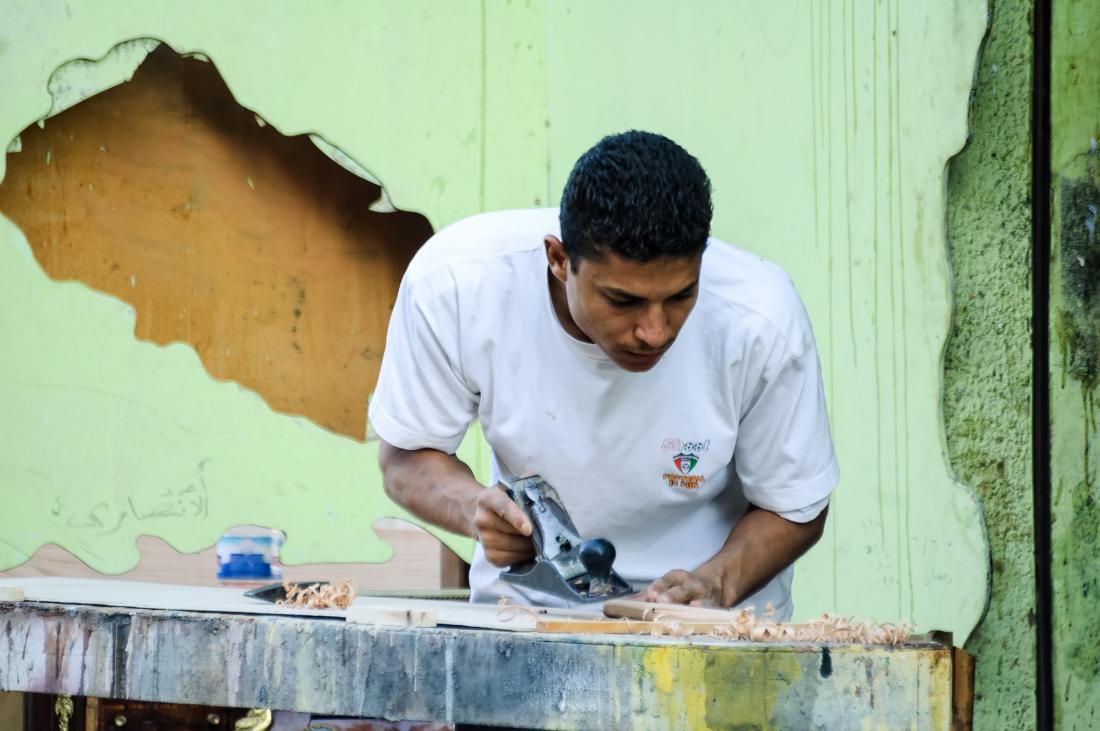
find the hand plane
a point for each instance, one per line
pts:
(564, 565)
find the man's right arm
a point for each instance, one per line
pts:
(440, 489)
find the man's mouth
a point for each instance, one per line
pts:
(644, 359)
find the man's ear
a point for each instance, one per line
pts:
(557, 257)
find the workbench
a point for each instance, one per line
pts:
(481, 676)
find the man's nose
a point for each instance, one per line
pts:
(653, 329)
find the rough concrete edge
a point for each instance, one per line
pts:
(1002, 642)
(951, 315)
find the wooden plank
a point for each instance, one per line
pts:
(388, 616)
(11, 593)
(392, 617)
(962, 692)
(11, 710)
(464, 614)
(626, 626)
(364, 610)
(142, 595)
(91, 715)
(450, 613)
(634, 609)
(447, 594)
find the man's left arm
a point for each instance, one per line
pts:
(760, 546)
(786, 467)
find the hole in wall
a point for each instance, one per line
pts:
(254, 248)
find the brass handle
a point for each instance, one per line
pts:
(258, 719)
(63, 707)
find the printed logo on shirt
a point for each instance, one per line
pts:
(672, 444)
(684, 462)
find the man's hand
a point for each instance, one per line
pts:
(701, 588)
(760, 545)
(502, 528)
(437, 487)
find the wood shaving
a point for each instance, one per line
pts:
(339, 595)
(745, 625)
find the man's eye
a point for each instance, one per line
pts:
(684, 295)
(621, 302)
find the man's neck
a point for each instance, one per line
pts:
(561, 308)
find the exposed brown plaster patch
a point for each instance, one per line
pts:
(253, 247)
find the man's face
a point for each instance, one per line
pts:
(631, 310)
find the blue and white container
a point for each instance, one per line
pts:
(250, 553)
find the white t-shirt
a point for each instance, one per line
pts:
(661, 463)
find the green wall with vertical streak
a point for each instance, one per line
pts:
(1075, 361)
(826, 128)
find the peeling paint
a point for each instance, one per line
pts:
(77, 80)
(344, 160)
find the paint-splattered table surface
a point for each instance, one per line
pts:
(486, 676)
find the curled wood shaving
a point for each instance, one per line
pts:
(319, 596)
(745, 625)
(507, 610)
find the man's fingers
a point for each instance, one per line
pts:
(490, 522)
(676, 587)
(507, 558)
(497, 502)
(654, 590)
(506, 542)
(679, 594)
(503, 529)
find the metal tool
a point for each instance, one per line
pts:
(564, 565)
(277, 592)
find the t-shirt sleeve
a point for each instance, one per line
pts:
(784, 452)
(422, 398)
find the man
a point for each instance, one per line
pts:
(666, 384)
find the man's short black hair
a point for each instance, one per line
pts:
(638, 194)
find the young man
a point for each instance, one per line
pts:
(666, 385)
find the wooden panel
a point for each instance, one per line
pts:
(962, 694)
(11, 710)
(253, 247)
(113, 714)
(420, 562)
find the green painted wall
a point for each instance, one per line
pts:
(826, 127)
(987, 364)
(1075, 361)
